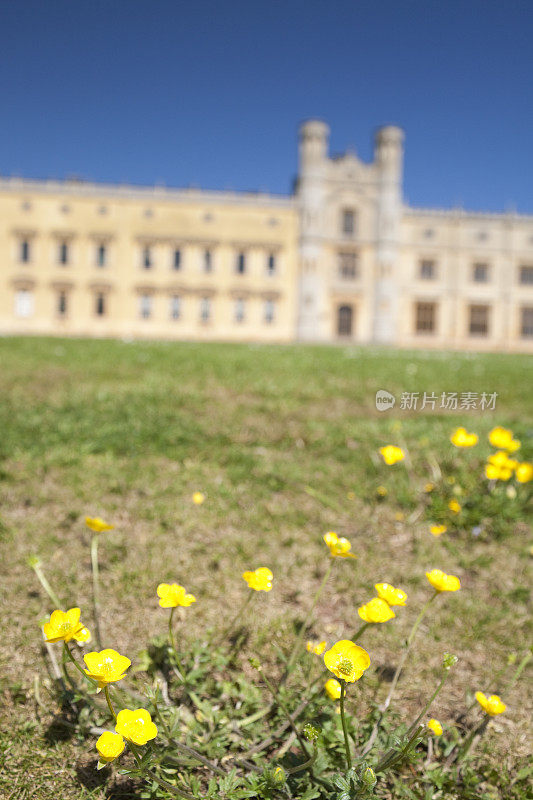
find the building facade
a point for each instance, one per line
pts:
(341, 259)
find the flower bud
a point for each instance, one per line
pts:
(278, 776)
(311, 733)
(449, 660)
(368, 777)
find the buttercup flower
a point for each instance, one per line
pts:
(435, 726)
(347, 660)
(333, 689)
(66, 625)
(393, 596)
(110, 745)
(502, 438)
(438, 530)
(381, 492)
(428, 487)
(454, 506)
(260, 579)
(105, 667)
(524, 472)
(316, 647)
(461, 438)
(172, 595)
(391, 454)
(198, 498)
(491, 705)
(442, 582)
(136, 726)
(376, 610)
(97, 524)
(338, 545)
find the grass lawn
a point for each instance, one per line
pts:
(284, 443)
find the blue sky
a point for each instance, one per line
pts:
(210, 93)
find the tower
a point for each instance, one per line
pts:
(311, 191)
(388, 158)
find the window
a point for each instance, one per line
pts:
(62, 304)
(208, 261)
(63, 253)
(147, 258)
(526, 275)
(480, 273)
(239, 310)
(24, 253)
(270, 311)
(526, 327)
(145, 306)
(344, 320)
(205, 309)
(240, 265)
(425, 317)
(478, 320)
(176, 261)
(101, 255)
(175, 307)
(99, 306)
(428, 270)
(347, 266)
(23, 303)
(271, 264)
(348, 221)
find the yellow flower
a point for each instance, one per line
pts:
(524, 472)
(316, 647)
(391, 454)
(381, 491)
(66, 625)
(260, 579)
(393, 596)
(454, 506)
(347, 660)
(351, 495)
(338, 545)
(376, 610)
(110, 745)
(399, 516)
(198, 498)
(428, 487)
(105, 667)
(461, 438)
(333, 689)
(438, 530)
(502, 438)
(497, 473)
(442, 582)
(172, 595)
(136, 726)
(491, 705)
(435, 726)
(98, 525)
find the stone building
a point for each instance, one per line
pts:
(341, 259)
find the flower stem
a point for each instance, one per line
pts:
(80, 669)
(109, 703)
(399, 668)
(228, 629)
(172, 643)
(357, 635)
(344, 728)
(96, 589)
(403, 659)
(305, 624)
(46, 586)
(429, 702)
(281, 704)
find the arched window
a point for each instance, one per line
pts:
(344, 320)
